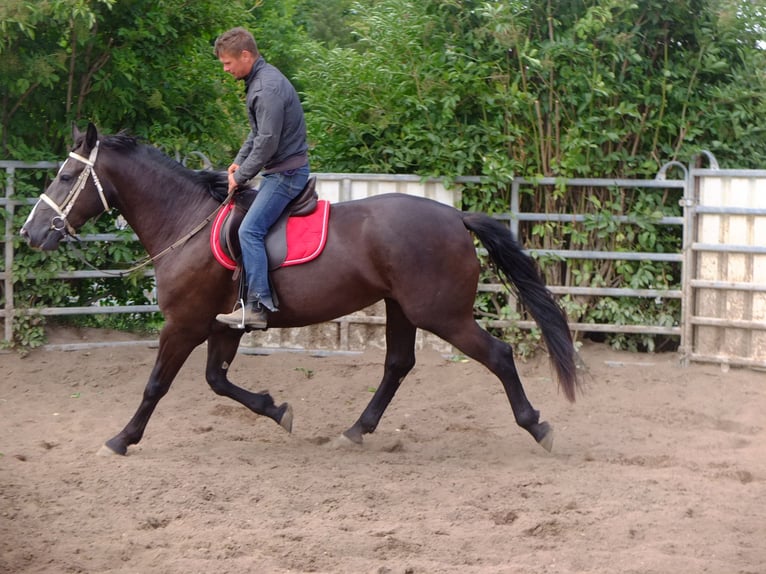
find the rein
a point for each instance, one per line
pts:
(152, 258)
(62, 225)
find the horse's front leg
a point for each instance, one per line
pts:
(175, 347)
(221, 350)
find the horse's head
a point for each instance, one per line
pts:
(72, 198)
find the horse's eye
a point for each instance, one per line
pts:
(65, 177)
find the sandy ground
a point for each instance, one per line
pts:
(655, 469)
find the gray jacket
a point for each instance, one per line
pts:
(277, 138)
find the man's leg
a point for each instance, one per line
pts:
(276, 191)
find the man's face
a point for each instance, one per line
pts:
(238, 65)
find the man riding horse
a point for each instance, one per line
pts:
(276, 146)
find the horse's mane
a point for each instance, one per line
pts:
(214, 183)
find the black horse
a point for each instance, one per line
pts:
(415, 254)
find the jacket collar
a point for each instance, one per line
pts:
(259, 63)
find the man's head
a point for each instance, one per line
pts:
(237, 51)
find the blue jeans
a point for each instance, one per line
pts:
(276, 191)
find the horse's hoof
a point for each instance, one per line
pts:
(546, 441)
(286, 422)
(343, 442)
(353, 434)
(106, 451)
(116, 446)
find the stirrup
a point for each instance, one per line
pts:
(239, 305)
(244, 318)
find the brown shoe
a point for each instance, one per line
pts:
(244, 317)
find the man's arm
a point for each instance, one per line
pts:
(244, 150)
(269, 115)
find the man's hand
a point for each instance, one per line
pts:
(232, 183)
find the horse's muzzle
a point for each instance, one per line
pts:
(47, 241)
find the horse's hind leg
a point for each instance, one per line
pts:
(400, 358)
(497, 356)
(221, 350)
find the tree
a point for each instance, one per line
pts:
(557, 88)
(527, 88)
(146, 67)
(495, 88)
(136, 65)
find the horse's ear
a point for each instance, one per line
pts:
(75, 132)
(91, 136)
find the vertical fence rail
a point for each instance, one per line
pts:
(8, 268)
(8, 202)
(689, 269)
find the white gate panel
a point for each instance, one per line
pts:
(729, 286)
(337, 187)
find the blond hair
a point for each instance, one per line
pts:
(234, 41)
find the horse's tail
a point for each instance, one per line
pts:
(522, 270)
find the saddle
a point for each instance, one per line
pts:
(224, 238)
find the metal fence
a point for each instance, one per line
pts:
(363, 329)
(9, 202)
(516, 217)
(346, 333)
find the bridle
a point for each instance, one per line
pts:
(59, 222)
